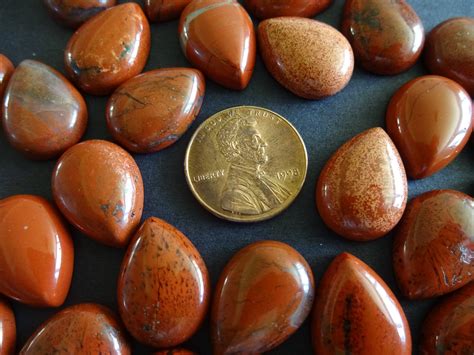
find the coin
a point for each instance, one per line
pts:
(246, 164)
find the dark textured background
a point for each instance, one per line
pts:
(26, 31)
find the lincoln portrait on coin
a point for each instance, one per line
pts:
(248, 190)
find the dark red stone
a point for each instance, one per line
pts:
(7, 329)
(6, 71)
(264, 9)
(73, 13)
(164, 10)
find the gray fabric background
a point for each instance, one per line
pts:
(26, 31)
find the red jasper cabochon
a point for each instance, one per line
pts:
(263, 295)
(430, 121)
(163, 288)
(36, 252)
(264, 9)
(6, 71)
(218, 38)
(362, 190)
(433, 251)
(109, 49)
(81, 329)
(356, 313)
(7, 329)
(164, 10)
(98, 187)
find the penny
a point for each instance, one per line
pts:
(246, 164)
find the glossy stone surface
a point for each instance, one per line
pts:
(430, 121)
(387, 36)
(362, 190)
(151, 111)
(311, 59)
(164, 10)
(264, 9)
(109, 49)
(98, 187)
(36, 252)
(433, 251)
(6, 71)
(355, 312)
(7, 329)
(73, 13)
(449, 327)
(81, 329)
(263, 295)
(163, 288)
(449, 51)
(218, 38)
(43, 113)
(174, 352)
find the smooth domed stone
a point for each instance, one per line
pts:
(151, 111)
(387, 36)
(174, 352)
(262, 297)
(449, 51)
(449, 327)
(73, 13)
(7, 329)
(362, 190)
(311, 59)
(264, 9)
(6, 71)
(164, 10)
(36, 252)
(81, 329)
(430, 121)
(163, 288)
(43, 113)
(355, 312)
(218, 38)
(109, 49)
(433, 252)
(98, 187)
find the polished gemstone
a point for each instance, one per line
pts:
(43, 113)
(74, 13)
(218, 38)
(164, 10)
(449, 327)
(36, 252)
(151, 111)
(449, 51)
(163, 288)
(430, 121)
(8, 329)
(433, 253)
(6, 71)
(109, 49)
(81, 329)
(98, 187)
(362, 190)
(264, 9)
(387, 36)
(263, 295)
(310, 58)
(355, 312)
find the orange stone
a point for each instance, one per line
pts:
(6, 71)
(164, 10)
(218, 38)
(36, 252)
(7, 329)
(264, 9)
(109, 49)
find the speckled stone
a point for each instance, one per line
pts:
(449, 326)
(7, 329)
(73, 13)
(81, 329)
(164, 10)
(262, 297)
(430, 121)
(355, 312)
(98, 187)
(310, 58)
(362, 190)
(433, 251)
(151, 111)
(387, 36)
(6, 71)
(43, 113)
(163, 288)
(109, 49)
(449, 51)
(263, 9)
